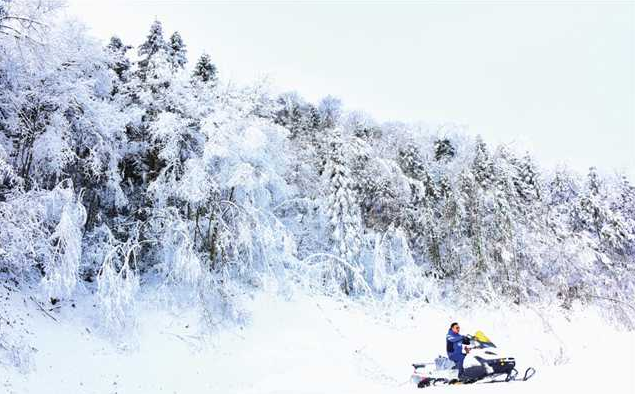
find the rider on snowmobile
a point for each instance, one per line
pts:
(454, 346)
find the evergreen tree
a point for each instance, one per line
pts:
(422, 224)
(411, 161)
(205, 70)
(291, 113)
(483, 166)
(625, 203)
(156, 141)
(120, 62)
(504, 228)
(177, 51)
(527, 180)
(452, 216)
(589, 209)
(342, 207)
(562, 188)
(595, 215)
(624, 206)
(471, 198)
(443, 149)
(561, 194)
(153, 44)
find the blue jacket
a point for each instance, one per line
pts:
(454, 344)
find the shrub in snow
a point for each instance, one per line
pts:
(7, 174)
(333, 275)
(43, 230)
(179, 260)
(61, 273)
(221, 301)
(117, 286)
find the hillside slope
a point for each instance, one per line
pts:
(301, 344)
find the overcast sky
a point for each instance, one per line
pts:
(556, 78)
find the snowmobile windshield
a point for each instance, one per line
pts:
(482, 339)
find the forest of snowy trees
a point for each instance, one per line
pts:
(126, 166)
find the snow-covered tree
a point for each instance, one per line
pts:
(483, 166)
(119, 63)
(341, 203)
(154, 43)
(594, 214)
(115, 172)
(330, 110)
(204, 70)
(411, 161)
(443, 149)
(177, 51)
(527, 179)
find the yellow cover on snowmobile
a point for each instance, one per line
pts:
(482, 338)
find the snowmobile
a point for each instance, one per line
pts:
(483, 363)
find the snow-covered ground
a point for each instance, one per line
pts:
(301, 344)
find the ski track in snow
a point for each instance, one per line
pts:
(306, 345)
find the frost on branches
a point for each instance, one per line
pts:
(342, 211)
(125, 169)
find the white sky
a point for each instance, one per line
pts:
(556, 78)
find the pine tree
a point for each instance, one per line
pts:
(205, 70)
(527, 179)
(626, 198)
(313, 118)
(482, 166)
(477, 187)
(342, 207)
(422, 211)
(411, 161)
(290, 113)
(177, 51)
(596, 216)
(560, 196)
(443, 150)
(452, 217)
(153, 44)
(422, 224)
(525, 197)
(119, 63)
(158, 78)
(589, 209)
(625, 207)
(158, 138)
(562, 189)
(471, 199)
(154, 41)
(502, 229)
